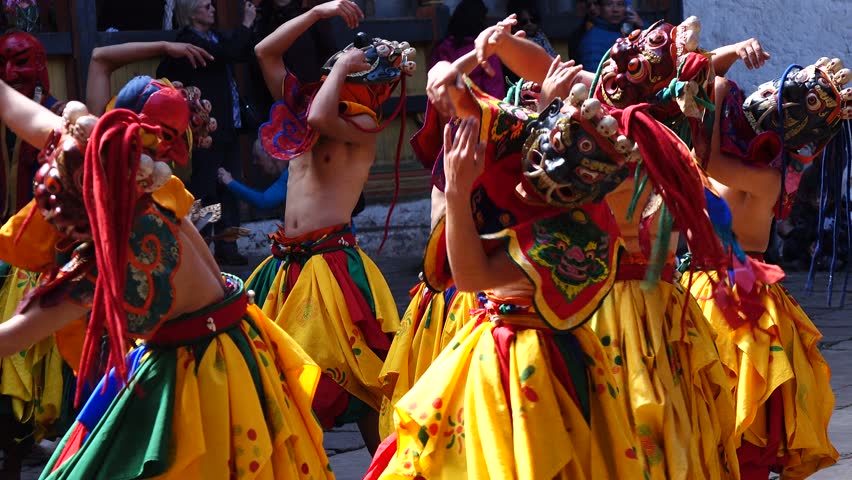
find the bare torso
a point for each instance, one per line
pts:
(518, 289)
(325, 184)
(619, 202)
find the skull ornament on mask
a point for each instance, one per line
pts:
(567, 162)
(812, 107)
(58, 186)
(386, 59)
(24, 63)
(201, 123)
(389, 61)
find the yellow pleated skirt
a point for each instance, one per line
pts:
(237, 405)
(430, 322)
(780, 352)
(316, 314)
(32, 378)
(671, 380)
(458, 422)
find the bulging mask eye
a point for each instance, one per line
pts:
(813, 102)
(656, 38)
(637, 71)
(556, 141)
(586, 145)
(52, 183)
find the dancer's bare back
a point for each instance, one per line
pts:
(619, 202)
(751, 192)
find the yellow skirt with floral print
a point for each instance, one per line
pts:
(492, 406)
(778, 354)
(671, 380)
(430, 322)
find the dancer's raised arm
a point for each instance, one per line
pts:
(270, 51)
(473, 270)
(750, 51)
(106, 60)
(525, 58)
(36, 324)
(324, 114)
(29, 120)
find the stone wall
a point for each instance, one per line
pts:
(792, 31)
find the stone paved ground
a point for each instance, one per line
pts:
(350, 459)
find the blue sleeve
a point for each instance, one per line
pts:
(594, 45)
(273, 196)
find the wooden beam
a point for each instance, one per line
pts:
(56, 43)
(410, 29)
(83, 28)
(413, 104)
(114, 38)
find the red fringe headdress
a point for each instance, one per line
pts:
(111, 197)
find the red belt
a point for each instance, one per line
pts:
(331, 239)
(200, 325)
(634, 267)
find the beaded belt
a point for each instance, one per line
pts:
(499, 313)
(326, 240)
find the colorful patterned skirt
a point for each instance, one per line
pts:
(779, 380)
(334, 302)
(660, 350)
(430, 322)
(218, 394)
(33, 382)
(510, 398)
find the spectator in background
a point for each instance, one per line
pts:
(467, 20)
(529, 20)
(305, 59)
(217, 84)
(609, 25)
(276, 194)
(588, 9)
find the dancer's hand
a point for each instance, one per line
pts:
(463, 157)
(348, 10)
(224, 176)
(752, 54)
(560, 78)
(444, 84)
(355, 60)
(195, 55)
(488, 41)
